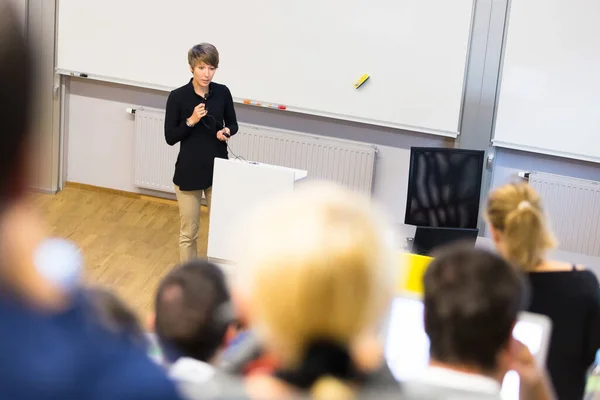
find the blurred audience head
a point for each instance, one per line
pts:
(472, 299)
(114, 314)
(194, 316)
(21, 230)
(319, 271)
(15, 101)
(519, 229)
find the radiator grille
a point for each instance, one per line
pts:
(154, 159)
(349, 163)
(573, 208)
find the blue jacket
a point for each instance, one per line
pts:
(69, 356)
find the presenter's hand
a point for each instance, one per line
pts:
(221, 134)
(199, 113)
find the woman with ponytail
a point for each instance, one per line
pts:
(319, 282)
(567, 294)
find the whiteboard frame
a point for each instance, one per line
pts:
(449, 134)
(342, 117)
(513, 146)
(538, 150)
(495, 142)
(466, 73)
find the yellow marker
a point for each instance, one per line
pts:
(362, 80)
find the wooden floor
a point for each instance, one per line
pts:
(128, 243)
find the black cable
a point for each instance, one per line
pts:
(214, 122)
(236, 157)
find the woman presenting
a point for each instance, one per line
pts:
(200, 116)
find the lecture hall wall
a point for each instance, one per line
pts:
(97, 126)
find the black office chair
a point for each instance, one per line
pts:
(428, 239)
(444, 187)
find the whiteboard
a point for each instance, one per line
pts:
(305, 55)
(549, 98)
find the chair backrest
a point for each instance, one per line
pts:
(427, 239)
(444, 187)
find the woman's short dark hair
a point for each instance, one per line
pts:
(203, 53)
(472, 300)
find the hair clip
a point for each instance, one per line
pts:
(523, 205)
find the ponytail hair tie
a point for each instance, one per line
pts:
(524, 205)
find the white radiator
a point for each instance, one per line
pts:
(154, 159)
(573, 207)
(349, 163)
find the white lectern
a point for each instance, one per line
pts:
(238, 187)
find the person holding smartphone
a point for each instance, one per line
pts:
(201, 117)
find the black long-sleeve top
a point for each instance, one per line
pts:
(199, 144)
(572, 301)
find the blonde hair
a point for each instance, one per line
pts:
(515, 210)
(203, 53)
(320, 270)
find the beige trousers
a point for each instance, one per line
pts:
(189, 213)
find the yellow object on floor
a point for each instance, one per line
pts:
(414, 266)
